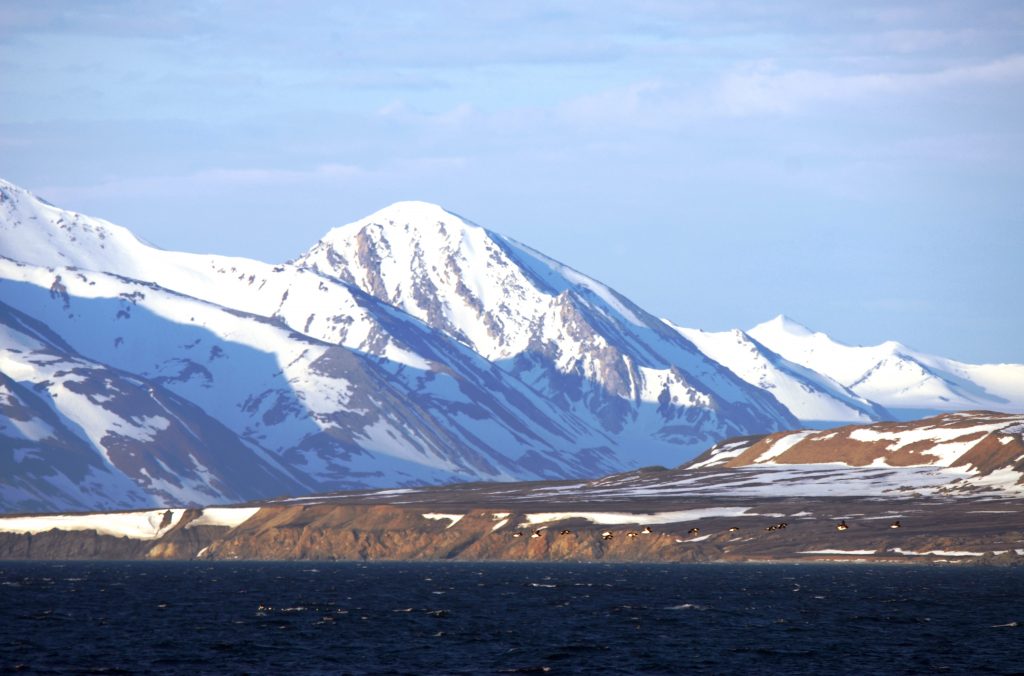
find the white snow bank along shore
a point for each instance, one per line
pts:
(619, 518)
(148, 525)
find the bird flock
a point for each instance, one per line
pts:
(692, 532)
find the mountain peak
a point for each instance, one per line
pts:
(10, 191)
(415, 213)
(783, 324)
(412, 207)
(410, 216)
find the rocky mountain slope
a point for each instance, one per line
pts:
(596, 353)
(78, 433)
(330, 416)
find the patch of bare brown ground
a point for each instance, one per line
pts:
(995, 452)
(836, 445)
(861, 453)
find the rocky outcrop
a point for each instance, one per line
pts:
(386, 532)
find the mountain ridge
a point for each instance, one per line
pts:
(410, 346)
(338, 387)
(905, 381)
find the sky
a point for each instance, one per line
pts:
(858, 167)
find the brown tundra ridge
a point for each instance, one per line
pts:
(946, 489)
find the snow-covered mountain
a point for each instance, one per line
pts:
(906, 382)
(332, 384)
(595, 353)
(816, 399)
(335, 417)
(409, 347)
(81, 434)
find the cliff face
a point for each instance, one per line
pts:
(959, 531)
(385, 532)
(183, 539)
(58, 545)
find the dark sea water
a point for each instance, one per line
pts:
(290, 618)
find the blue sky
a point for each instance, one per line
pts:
(859, 166)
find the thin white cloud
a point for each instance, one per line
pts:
(632, 101)
(761, 88)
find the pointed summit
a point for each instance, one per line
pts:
(411, 218)
(410, 211)
(781, 324)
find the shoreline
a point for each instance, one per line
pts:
(882, 562)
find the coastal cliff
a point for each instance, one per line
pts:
(686, 532)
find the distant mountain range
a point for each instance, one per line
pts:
(908, 383)
(409, 347)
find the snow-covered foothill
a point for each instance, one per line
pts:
(942, 441)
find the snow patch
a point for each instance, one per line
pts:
(725, 453)
(231, 517)
(454, 518)
(782, 445)
(935, 552)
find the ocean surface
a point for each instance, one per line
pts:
(424, 618)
